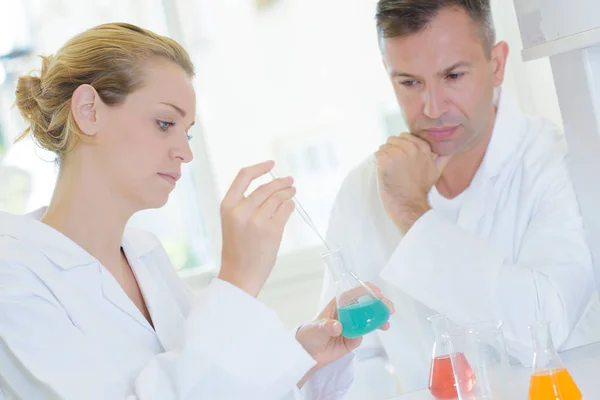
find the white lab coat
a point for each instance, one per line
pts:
(68, 330)
(518, 220)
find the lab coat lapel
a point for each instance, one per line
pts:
(480, 196)
(165, 313)
(115, 294)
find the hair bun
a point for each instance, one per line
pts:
(29, 99)
(29, 87)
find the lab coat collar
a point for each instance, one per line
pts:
(506, 136)
(64, 252)
(138, 243)
(504, 143)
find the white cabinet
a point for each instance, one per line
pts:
(568, 32)
(551, 27)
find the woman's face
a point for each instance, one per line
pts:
(142, 143)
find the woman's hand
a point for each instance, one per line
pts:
(253, 226)
(323, 340)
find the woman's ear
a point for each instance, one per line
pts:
(84, 106)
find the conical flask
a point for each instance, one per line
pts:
(550, 379)
(442, 385)
(360, 311)
(442, 380)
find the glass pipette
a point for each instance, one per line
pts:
(302, 212)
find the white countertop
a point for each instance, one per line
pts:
(583, 363)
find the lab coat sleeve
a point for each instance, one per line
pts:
(331, 382)
(457, 273)
(234, 348)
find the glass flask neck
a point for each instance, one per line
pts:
(545, 355)
(440, 325)
(335, 264)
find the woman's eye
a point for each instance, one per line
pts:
(164, 125)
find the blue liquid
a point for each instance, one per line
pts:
(362, 318)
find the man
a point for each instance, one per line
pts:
(472, 214)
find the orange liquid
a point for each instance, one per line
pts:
(442, 385)
(554, 384)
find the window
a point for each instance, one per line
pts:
(293, 81)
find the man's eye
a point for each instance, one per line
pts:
(409, 83)
(455, 76)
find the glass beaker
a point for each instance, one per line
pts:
(480, 361)
(442, 384)
(360, 311)
(550, 378)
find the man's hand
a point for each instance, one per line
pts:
(323, 340)
(407, 170)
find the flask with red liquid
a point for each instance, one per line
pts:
(442, 383)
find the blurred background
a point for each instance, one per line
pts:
(297, 81)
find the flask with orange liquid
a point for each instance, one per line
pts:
(550, 379)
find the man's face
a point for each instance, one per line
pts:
(444, 81)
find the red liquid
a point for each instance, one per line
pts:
(441, 378)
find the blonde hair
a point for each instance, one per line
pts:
(108, 57)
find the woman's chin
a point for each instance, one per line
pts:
(157, 200)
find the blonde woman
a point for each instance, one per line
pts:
(92, 310)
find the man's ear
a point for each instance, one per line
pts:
(499, 58)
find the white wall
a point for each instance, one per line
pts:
(532, 83)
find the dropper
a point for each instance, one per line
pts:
(302, 212)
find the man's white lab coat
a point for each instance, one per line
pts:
(68, 330)
(518, 225)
